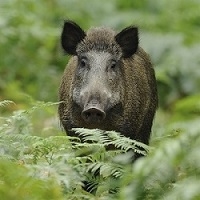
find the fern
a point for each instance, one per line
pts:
(5, 103)
(107, 138)
(40, 105)
(76, 162)
(167, 168)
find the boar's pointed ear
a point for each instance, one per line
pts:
(72, 34)
(128, 41)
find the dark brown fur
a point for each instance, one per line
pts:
(134, 114)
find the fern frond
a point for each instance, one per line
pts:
(92, 135)
(112, 138)
(40, 104)
(174, 161)
(5, 103)
(23, 139)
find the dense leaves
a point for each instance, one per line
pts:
(62, 164)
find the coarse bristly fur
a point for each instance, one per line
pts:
(133, 111)
(100, 39)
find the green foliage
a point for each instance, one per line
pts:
(187, 108)
(16, 183)
(107, 138)
(171, 171)
(5, 103)
(66, 160)
(176, 67)
(58, 166)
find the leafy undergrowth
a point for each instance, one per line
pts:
(60, 167)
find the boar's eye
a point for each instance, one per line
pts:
(83, 61)
(113, 64)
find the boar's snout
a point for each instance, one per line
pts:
(93, 114)
(95, 103)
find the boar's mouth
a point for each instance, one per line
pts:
(93, 113)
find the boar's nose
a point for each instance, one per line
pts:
(93, 115)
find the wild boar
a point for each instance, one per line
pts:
(109, 82)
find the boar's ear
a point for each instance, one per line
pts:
(128, 41)
(72, 34)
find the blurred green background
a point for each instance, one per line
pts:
(32, 62)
